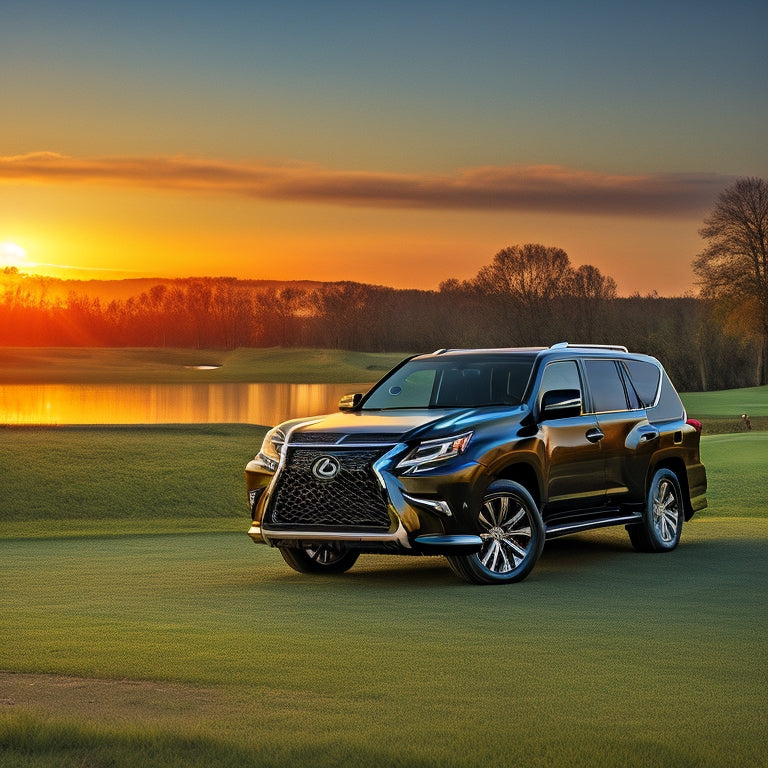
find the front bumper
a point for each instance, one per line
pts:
(424, 544)
(429, 512)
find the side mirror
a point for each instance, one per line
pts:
(350, 402)
(560, 404)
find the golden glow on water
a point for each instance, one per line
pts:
(266, 404)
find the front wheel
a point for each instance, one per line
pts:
(663, 515)
(512, 531)
(323, 558)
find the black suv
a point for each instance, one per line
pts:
(480, 455)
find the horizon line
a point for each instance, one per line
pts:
(691, 293)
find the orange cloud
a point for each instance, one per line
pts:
(541, 188)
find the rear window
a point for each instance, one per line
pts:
(669, 407)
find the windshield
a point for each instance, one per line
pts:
(454, 382)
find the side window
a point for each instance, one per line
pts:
(606, 386)
(645, 379)
(560, 375)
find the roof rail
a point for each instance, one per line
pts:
(567, 345)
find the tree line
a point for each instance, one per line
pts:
(210, 313)
(528, 295)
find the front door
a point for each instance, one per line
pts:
(575, 463)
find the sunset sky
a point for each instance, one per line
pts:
(398, 143)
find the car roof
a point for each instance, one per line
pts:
(563, 347)
(561, 350)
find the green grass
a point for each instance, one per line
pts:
(61, 365)
(201, 648)
(732, 402)
(307, 671)
(737, 466)
(65, 481)
(721, 412)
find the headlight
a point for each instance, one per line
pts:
(431, 452)
(269, 455)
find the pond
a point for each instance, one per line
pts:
(266, 404)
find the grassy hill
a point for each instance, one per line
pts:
(89, 365)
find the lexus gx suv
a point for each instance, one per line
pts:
(481, 455)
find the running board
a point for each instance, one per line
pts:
(563, 529)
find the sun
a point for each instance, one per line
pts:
(12, 255)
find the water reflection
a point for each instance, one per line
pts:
(167, 403)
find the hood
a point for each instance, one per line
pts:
(400, 425)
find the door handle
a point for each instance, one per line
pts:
(646, 437)
(594, 435)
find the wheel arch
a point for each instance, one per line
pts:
(676, 465)
(525, 474)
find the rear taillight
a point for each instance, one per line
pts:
(696, 424)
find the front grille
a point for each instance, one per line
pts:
(353, 499)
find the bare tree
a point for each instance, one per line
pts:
(525, 279)
(733, 268)
(529, 273)
(591, 290)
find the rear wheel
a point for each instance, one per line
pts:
(323, 558)
(513, 534)
(663, 515)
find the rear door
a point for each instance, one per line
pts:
(628, 441)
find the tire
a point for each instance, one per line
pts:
(663, 515)
(324, 558)
(513, 535)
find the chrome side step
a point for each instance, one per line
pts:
(563, 529)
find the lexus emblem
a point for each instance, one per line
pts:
(326, 468)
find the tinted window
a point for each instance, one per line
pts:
(605, 386)
(645, 379)
(454, 382)
(560, 375)
(669, 407)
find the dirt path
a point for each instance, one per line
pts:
(105, 700)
